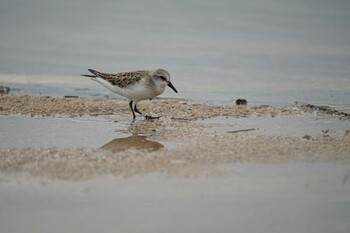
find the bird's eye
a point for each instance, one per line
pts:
(163, 78)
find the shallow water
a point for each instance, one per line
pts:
(275, 52)
(288, 126)
(111, 131)
(294, 197)
(23, 131)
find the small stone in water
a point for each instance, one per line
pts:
(241, 102)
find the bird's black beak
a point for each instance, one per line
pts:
(172, 86)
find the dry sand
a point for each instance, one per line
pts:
(197, 148)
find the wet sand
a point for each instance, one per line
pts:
(170, 108)
(82, 165)
(198, 138)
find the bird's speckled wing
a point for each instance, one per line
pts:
(122, 80)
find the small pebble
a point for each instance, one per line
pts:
(4, 90)
(241, 102)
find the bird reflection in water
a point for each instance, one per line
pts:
(134, 141)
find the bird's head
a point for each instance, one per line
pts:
(162, 77)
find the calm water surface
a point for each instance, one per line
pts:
(269, 52)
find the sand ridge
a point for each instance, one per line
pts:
(174, 108)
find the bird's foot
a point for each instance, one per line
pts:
(151, 117)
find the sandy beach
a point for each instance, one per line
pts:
(197, 138)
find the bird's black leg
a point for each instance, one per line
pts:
(146, 116)
(136, 110)
(132, 110)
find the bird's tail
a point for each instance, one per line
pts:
(89, 75)
(94, 72)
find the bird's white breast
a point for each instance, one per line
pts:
(136, 92)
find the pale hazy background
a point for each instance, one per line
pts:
(268, 51)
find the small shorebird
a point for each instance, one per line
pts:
(136, 86)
